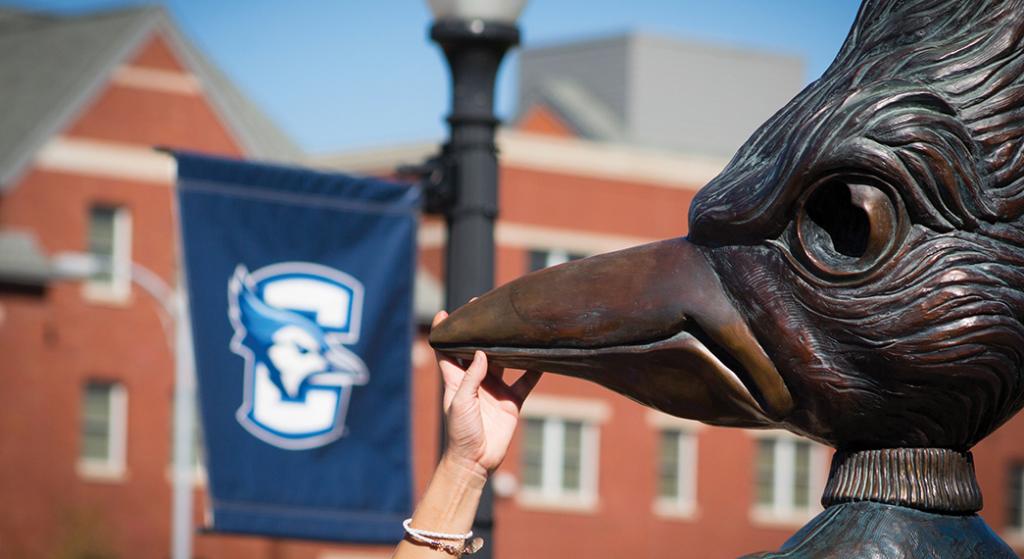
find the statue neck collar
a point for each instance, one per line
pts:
(928, 479)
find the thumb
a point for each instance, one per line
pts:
(475, 374)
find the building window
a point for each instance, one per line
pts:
(559, 454)
(788, 478)
(103, 430)
(559, 459)
(540, 259)
(677, 472)
(110, 245)
(1015, 502)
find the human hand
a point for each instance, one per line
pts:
(481, 410)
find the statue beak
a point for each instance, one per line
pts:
(651, 322)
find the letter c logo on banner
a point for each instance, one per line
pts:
(292, 321)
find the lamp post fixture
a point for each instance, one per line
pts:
(474, 35)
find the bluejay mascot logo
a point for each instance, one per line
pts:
(292, 322)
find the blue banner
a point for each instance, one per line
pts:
(300, 290)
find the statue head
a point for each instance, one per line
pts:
(855, 274)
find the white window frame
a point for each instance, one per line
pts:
(782, 511)
(111, 468)
(556, 256)
(684, 505)
(119, 288)
(554, 411)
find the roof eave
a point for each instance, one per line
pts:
(79, 97)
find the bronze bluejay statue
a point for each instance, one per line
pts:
(855, 275)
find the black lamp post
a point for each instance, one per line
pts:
(474, 35)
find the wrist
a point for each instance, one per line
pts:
(452, 497)
(463, 470)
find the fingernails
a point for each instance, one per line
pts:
(478, 356)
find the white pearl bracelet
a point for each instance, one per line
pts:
(460, 545)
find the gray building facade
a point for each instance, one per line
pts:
(657, 91)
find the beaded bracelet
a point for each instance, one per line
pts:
(466, 543)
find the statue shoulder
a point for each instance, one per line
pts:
(876, 530)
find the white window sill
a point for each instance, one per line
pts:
(764, 516)
(560, 503)
(672, 509)
(101, 471)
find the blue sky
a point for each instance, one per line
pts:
(341, 74)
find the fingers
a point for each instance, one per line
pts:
(497, 388)
(451, 372)
(522, 387)
(516, 392)
(465, 383)
(496, 371)
(475, 374)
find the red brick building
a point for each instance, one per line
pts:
(85, 415)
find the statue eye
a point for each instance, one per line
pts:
(845, 226)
